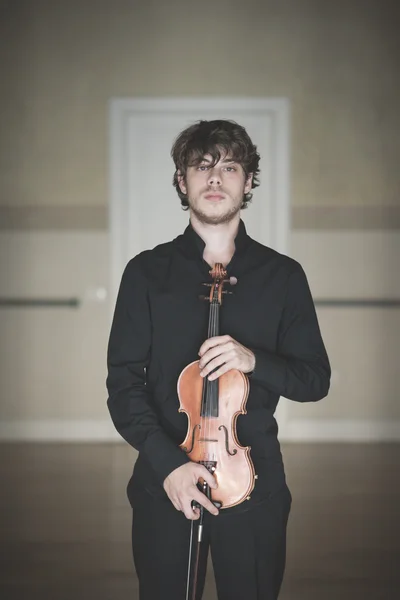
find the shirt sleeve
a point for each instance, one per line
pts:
(300, 368)
(129, 400)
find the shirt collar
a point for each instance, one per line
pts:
(193, 241)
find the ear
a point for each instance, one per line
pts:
(249, 181)
(181, 183)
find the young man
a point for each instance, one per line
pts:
(269, 331)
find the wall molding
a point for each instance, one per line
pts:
(53, 218)
(340, 430)
(58, 430)
(296, 430)
(95, 218)
(345, 217)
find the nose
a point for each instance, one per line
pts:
(214, 177)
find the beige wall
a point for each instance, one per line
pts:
(336, 62)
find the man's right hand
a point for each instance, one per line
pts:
(181, 488)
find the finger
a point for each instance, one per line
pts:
(207, 476)
(218, 350)
(209, 356)
(209, 343)
(190, 513)
(220, 361)
(204, 501)
(223, 369)
(216, 358)
(214, 364)
(213, 341)
(195, 511)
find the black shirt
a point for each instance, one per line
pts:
(159, 325)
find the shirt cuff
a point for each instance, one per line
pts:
(163, 455)
(269, 371)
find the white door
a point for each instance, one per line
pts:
(144, 207)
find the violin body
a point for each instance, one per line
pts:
(212, 408)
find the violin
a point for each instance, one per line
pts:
(212, 408)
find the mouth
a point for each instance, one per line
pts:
(214, 197)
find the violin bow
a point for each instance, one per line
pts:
(192, 596)
(205, 488)
(195, 504)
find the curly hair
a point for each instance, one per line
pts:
(217, 138)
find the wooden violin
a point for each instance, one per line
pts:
(212, 408)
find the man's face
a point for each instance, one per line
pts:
(215, 193)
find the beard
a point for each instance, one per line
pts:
(208, 218)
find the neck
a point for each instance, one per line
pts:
(219, 239)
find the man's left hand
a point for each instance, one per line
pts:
(226, 353)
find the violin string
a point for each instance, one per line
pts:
(213, 383)
(211, 404)
(207, 412)
(209, 383)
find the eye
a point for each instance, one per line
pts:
(231, 169)
(202, 168)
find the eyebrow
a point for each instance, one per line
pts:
(225, 161)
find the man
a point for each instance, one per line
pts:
(269, 331)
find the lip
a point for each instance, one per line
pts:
(214, 197)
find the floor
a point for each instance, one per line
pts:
(65, 522)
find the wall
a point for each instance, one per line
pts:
(63, 63)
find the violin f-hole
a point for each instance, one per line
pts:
(234, 451)
(192, 446)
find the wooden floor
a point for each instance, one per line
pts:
(65, 523)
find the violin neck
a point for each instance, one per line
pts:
(213, 322)
(209, 405)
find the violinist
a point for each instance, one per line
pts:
(268, 337)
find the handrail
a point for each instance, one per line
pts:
(39, 302)
(75, 302)
(358, 302)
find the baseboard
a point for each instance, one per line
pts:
(339, 430)
(298, 430)
(57, 430)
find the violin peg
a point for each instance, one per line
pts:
(231, 280)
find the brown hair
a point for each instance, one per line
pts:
(217, 138)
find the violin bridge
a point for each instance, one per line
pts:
(210, 465)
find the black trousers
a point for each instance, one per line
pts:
(248, 549)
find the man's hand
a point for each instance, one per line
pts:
(181, 489)
(226, 353)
